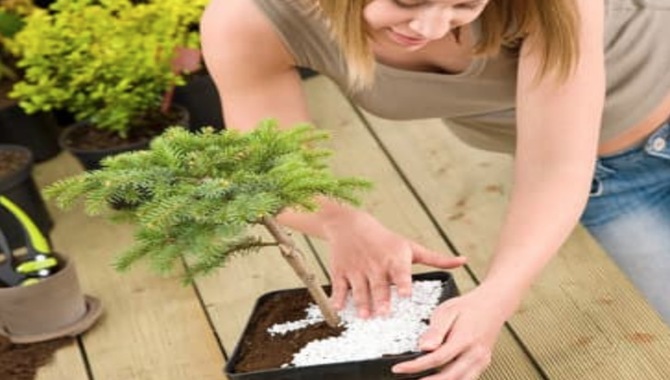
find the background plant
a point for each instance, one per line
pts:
(195, 196)
(12, 13)
(105, 61)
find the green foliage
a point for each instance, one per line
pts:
(197, 194)
(10, 23)
(12, 13)
(106, 61)
(18, 7)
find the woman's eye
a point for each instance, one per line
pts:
(470, 5)
(417, 3)
(408, 3)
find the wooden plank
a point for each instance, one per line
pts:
(67, 363)
(582, 319)
(391, 201)
(153, 327)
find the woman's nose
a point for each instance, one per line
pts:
(432, 23)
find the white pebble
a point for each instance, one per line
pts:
(363, 339)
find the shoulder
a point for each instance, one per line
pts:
(238, 30)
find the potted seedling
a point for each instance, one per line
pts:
(193, 198)
(111, 64)
(37, 131)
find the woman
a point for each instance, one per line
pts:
(570, 86)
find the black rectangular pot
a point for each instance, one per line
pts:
(373, 369)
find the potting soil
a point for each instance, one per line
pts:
(289, 330)
(11, 161)
(22, 361)
(261, 350)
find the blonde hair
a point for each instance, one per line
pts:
(503, 22)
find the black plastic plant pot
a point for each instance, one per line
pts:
(21, 189)
(372, 369)
(200, 97)
(90, 158)
(38, 132)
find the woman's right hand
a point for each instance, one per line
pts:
(368, 258)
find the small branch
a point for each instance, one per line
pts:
(296, 259)
(166, 103)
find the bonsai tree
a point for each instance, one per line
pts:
(194, 196)
(108, 62)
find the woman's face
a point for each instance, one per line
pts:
(411, 24)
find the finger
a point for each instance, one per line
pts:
(381, 294)
(440, 325)
(401, 276)
(339, 287)
(361, 294)
(433, 340)
(432, 360)
(439, 260)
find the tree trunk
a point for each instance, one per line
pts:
(295, 258)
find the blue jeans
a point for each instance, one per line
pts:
(629, 214)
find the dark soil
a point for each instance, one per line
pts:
(261, 350)
(150, 126)
(21, 361)
(11, 161)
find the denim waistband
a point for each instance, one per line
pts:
(657, 143)
(654, 143)
(633, 160)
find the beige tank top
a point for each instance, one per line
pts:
(479, 103)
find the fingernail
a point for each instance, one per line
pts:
(363, 314)
(397, 369)
(385, 310)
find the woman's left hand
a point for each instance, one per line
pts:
(461, 336)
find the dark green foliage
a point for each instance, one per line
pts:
(10, 23)
(197, 194)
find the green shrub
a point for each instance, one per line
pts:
(105, 61)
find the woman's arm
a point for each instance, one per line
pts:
(558, 125)
(253, 71)
(255, 76)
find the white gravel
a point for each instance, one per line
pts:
(370, 338)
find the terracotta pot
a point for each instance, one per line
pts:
(52, 308)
